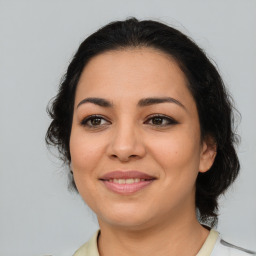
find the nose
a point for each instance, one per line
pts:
(126, 143)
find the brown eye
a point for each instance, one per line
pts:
(161, 120)
(157, 120)
(94, 121)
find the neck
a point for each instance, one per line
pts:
(181, 236)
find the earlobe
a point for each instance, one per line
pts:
(208, 154)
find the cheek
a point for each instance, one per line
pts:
(85, 155)
(177, 149)
(84, 151)
(178, 154)
(179, 159)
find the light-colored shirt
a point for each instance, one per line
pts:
(213, 246)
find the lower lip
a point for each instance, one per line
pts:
(127, 188)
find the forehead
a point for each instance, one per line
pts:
(131, 73)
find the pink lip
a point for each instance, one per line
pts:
(126, 175)
(126, 189)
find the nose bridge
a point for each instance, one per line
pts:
(125, 135)
(126, 140)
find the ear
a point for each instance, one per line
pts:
(208, 154)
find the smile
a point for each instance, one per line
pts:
(126, 181)
(126, 186)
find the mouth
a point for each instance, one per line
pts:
(132, 174)
(126, 182)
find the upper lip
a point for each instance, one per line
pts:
(132, 174)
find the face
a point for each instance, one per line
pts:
(133, 111)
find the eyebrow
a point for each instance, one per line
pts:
(142, 103)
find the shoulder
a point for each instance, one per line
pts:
(89, 248)
(223, 248)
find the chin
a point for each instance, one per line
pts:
(128, 218)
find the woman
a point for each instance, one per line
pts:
(144, 121)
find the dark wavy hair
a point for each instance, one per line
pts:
(214, 104)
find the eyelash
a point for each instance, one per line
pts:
(170, 121)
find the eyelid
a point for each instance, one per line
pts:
(171, 121)
(88, 118)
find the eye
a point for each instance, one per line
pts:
(94, 121)
(161, 120)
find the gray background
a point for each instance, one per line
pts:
(38, 216)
